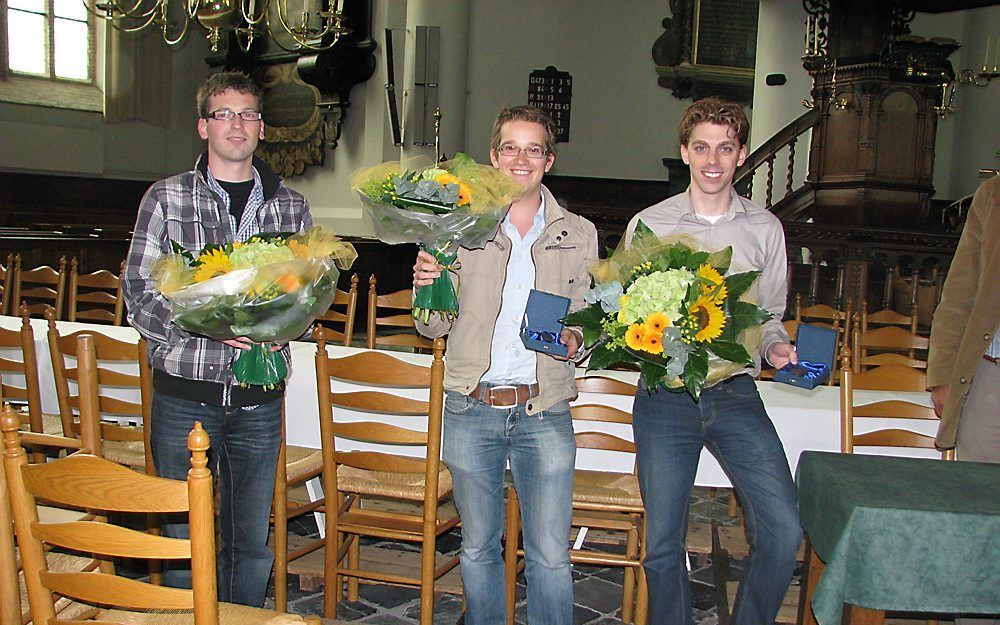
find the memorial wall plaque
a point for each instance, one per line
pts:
(725, 33)
(552, 91)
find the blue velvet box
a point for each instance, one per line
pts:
(541, 326)
(816, 347)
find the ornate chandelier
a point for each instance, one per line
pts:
(308, 25)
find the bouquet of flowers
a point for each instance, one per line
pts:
(672, 311)
(269, 289)
(440, 206)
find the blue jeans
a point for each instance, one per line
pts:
(478, 442)
(243, 455)
(730, 420)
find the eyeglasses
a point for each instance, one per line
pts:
(225, 115)
(511, 151)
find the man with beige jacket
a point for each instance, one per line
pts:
(963, 373)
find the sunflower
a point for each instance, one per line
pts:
(213, 263)
(717, 288)
(652, 340)
(658, 321)
(709, 317)
(633, 336)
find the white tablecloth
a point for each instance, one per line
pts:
(803, 419)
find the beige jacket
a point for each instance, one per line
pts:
(969, 312)
(561, 254)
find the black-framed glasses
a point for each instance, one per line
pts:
(511, 151)
(225, 115)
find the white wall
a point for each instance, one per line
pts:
(622, 122)
(40, 139)
(969, 139)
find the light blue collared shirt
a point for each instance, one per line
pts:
(510, 362)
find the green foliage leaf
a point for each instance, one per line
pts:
(602, 358)
(589, 320)
(642, 231)
(180, 249)
(731, 351)
(695, 371)
(744, 315)
(652, 373)
(721, 259)
(738, 283)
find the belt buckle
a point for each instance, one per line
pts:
(512, 387)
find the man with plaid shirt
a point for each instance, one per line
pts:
(229, 196)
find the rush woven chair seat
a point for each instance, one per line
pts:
(349, 388)
(86, 480)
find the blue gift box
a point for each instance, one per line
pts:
(541, 326)
(816, 347)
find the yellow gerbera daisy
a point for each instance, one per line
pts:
(634, 334)
(710, 318)
(301, 250)
(652, 340)
(658, 321)
(717, 288)
(213, 263)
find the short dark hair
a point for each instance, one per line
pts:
(224, 81)
(715, 111)
(525, 114)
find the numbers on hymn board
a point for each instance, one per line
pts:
(552, 91)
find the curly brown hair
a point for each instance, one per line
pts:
(525, 114)
(715, 111)
(224, 81)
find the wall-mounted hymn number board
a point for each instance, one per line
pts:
(552, 91)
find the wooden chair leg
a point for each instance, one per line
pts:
(280, 507)
(642, 595)
(734, 505)
(811, 571)
(427, 551)
(353, 563)
(511, 539)
(629, 583)
(155, 566)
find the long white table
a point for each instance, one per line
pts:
(803, 419)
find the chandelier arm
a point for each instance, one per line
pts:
(247, 12)
(180, 37)
(133, 29)
(192, 9)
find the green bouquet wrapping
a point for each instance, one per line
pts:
(672, 311)
(439, 206)
(268, 289)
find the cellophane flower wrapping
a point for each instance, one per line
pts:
(439, 206)
(268, 289)
(672, 311)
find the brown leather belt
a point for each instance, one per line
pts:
(504, 395)
(991, 359)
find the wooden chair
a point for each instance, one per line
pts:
(406, 333)
(6, 280)
(124, 444)
(101, 294)
(887, 317)
(352, 476)
(602, 500)
(14, 608)
(40, 288)
(889, 345)
(891, 377)
(341, 314)
(83, 479)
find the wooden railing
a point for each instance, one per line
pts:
(766, 154)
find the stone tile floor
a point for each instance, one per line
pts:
(597, 591)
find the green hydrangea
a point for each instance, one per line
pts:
(257, 253)
(660, 291)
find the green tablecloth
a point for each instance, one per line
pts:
(902, 533)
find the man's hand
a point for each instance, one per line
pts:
(939, 395)
(571, 340)
(242, 342)
(781, 354)
(425, 269)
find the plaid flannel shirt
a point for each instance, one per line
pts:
(192, 209)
